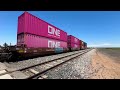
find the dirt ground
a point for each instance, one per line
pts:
(104, 67)
(113, 53)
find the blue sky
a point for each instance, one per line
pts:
(97, 28)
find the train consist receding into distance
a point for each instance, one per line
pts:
(36, 37)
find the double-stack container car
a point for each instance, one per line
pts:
(39, 37)
(73, 43)
(83, 45)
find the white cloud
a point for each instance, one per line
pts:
(101, 45)
(106, 44)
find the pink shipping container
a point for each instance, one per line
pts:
(28, 23)
(72, 39)
(82, 45)
(38, 41)
(72, 45)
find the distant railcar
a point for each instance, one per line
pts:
(73, 43)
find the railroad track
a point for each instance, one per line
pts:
(46, 66)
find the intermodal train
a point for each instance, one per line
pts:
(36, 37)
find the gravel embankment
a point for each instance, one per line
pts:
(79, 68)
(26, 63)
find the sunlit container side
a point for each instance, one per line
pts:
(37, 41)
(82, 44)
(21, 24)
(73, 39)
(73, 46)
(28, 23)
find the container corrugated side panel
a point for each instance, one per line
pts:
(21, 24)
(29, 24)
(80, 43)
(73, 39)
(38, 41)
(37, 26)
(72, 45)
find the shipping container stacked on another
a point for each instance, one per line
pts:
(35, 33)
(29, 23)
(35, 41)
(73, 43)
(83, 45)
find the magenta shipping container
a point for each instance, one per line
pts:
(72, 39)
(38, 41)
(72, 45)
(28, 23)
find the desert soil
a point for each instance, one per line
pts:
(105, 66)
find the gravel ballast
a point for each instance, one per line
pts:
(79, 68)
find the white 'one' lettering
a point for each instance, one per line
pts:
(53, 31)
(49, 29)
(53, 44)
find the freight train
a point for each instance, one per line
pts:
(36, 37)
